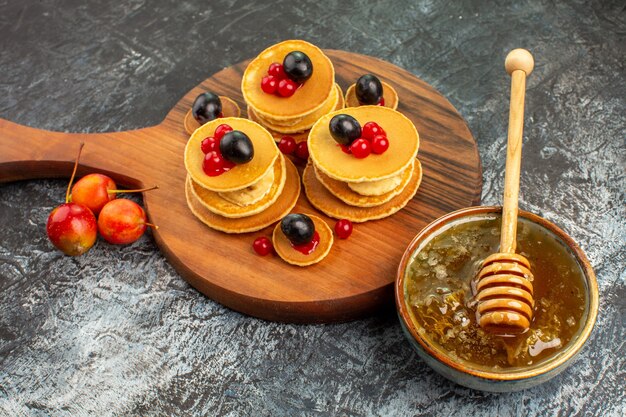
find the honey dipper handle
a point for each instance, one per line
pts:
(519, 63)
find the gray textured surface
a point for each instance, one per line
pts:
(119, 332)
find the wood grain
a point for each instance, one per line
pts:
(355, 279)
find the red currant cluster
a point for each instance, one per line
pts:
(288, 146)
(277, 82)
(373, 140)
(214, 163)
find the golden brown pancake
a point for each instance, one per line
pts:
(215, 203)
(283, 205)
(241, 176)
(308, 98)
(229, 109)
(343, 192)
(301, 124)
(283, 247)
(389, 94)
(324, 201)
(332, 161)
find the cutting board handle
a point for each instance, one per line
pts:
(27, 153)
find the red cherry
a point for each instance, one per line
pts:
(345, 149)
(209, 144)
(343, 228)
(287, 87)
(360, 148)
(122, 221)
(262, 246)
(269, 84)
(302, 151)
(94, 191)
(380, 144)
(227, 165)
(221, 130)
(381, 102)
(287, 145)
(277, 70)
(371, 129)
(213, 164)
(72, 228)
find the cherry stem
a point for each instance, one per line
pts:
(154, 226)
(69, 186)
(141, 190)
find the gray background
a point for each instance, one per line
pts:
(118, 332)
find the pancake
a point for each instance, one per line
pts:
(332, 161)
(229, 109)
(283, 205)
(218, 205)
(301, 124)
(299, 136)
(389, 94)
(308, 98)
(324, 201)
(283, 247)
(241, 176)
(342, 191)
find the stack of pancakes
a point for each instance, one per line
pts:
(344, 187)
(293, 115)
(250, 196)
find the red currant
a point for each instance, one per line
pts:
(269, 84)
(302, 151)
(213, 164)
(343, 228)
(345, 149)
(287, 145)
(381, 102)
(380, 144)
(277, 70)
(221, 130)
(371, 129)
(209, 144)
(361, 148)
(287, 87)
(262, 246)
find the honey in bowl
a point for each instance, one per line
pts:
(440, 295)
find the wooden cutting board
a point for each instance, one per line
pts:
(355, 279)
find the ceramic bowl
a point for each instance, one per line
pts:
(507, 380)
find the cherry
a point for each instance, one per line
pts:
(381, 102)
(302, 151)
(269, 84)
(380, 144)
(122, 221)
(298, 66)
(344, 129)
(345, 149)
(262, 246)
(298, 228)
(276, 70)
(371, 129)
(287, 145)
(343, 228)
(95, 190)
(361, 148)
(287, 87)
(368, 89)
(209, 144)
(72, 227)
(221, 130)
(206, 107)
(237, 147)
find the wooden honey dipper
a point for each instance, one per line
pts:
(504, 289)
